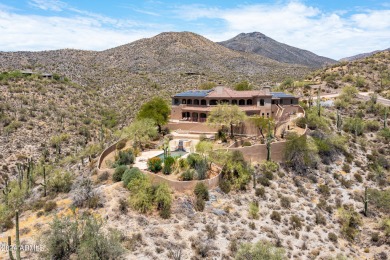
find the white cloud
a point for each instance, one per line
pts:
(334, 35)
(31, 32)
(51, 5)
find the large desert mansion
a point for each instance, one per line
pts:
(195, 105)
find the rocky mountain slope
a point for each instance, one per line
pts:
(259, 43)
(168, 59)
(362, 55)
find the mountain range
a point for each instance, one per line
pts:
(259, 43)
(362, 55)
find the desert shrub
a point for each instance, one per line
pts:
(260, 192)
(275, 216)
(168, 163)
(247, 143)
(322, 204)
(243, 85)
(188, 175)
(84, 195)
(125, 157)
(346, 168)
(372, 126)
(119, 171)
(201, 191)
(154, 164)
(350, 221)
(264, 181)
(385, 133)
(104, 176)
(269, 175)
(5, 218)
(332, 237)
(386, 226)
(285, 202)
(346, 183)
(200, 204)
(123, 206)
(358, 177)
(355, 126)
(260, 250)
(380, 199)
(49, 206)
(320, 219)
(324, 189)
(60, 181)
(183, 163)
(375, 236)
(121, 144)
(295, 222)
(225, 186)
(141, 197)
(235, 170)
(163, 199)
(83, 237)
(193, 159)
(201, 168)
(130, 174)
(253, 210)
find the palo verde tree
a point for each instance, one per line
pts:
(262, 123)
(140, 131)
(156, 109)
(243, 85)
(226, 115)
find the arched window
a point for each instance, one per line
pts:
(234, 102)
(196, 102)
(292, 101)
(203, 102)
(183, 101)
(189, 101)
(249, 102)
(213, 102)
(203, 117)
(195, 117)
(176, 101)
(224, 101)
(241, 102)
(261, 102)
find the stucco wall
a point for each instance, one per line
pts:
(258, 153)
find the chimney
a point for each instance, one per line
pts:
(219, 90)
(267, 90)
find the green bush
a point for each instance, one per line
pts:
(253, 210)
(320, 219)
(60, 181)
(163, 199)
(188, 175)
(260, 192)
(225, 186)
(264, 181)
(324, 189)
(168, 163)
(260, 251)
(130, 174)
(355, 126)
(269, 175)
(372, 126)
(193, 159)
(275, 216)
(332, 237)
(121, 144)
(200, 204)
(119, 171)
(125, 157)
(358, 177)
(296, 222)
(346, 168)
(350, 221)
(154, 164)
(285, 202)
(83, 237)
(49, 206)
(141, 197)
(201, 191)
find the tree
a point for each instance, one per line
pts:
(140, 131)
(262, 123)
(243, 85)
(156, 109)
(300, 153)
(204, 147)
(224, 115)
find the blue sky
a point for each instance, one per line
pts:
(334, 29)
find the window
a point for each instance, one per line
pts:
(213, 102)
(203, 102)
(234, 102)
(281, 101)
(241, 102)
(292, 101)
(262, 114)
(183, 101)
(225, 101)
(176, 101)
(196, 101)
(267, 114)
(249, 102)
(261, 102)
(189, 101)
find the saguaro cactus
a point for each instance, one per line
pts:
(318, 103)
(385, 122)
(44, 184)
(9, 249)
(6, 189)
(365, 201)
(338, 121)
(17, 238)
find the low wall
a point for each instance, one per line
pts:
(106, 152)
(183, 186)
(258, 152)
